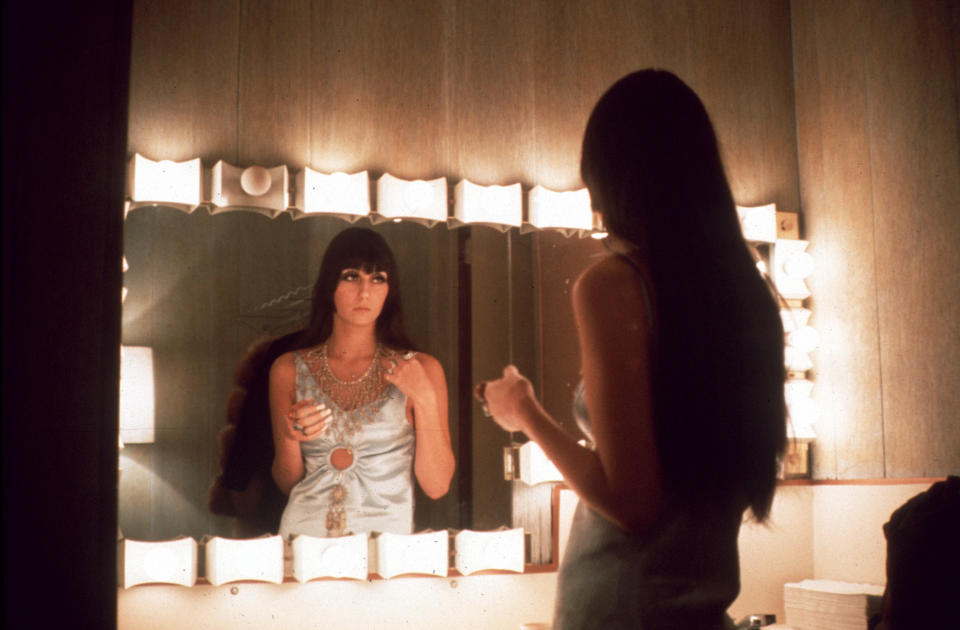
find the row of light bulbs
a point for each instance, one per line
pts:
(347, 196)
(187, 185)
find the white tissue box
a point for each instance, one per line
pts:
(343, 557)
(497, 550)
(163, 562)
(233, 560)
(427, 553)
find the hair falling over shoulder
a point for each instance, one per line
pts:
(652, 163)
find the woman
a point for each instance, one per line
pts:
(681, 350)
(355, 409)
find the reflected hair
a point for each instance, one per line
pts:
(366, 250)
(652, 164)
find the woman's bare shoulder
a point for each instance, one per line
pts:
(610, 280)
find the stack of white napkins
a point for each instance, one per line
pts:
(830, 605)
(234, 560)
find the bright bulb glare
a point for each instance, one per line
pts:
(799, 265)
(804, 339)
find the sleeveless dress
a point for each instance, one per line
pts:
(375, 492)
(682, 574)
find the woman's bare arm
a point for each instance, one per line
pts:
(621, 478)
(423, 380)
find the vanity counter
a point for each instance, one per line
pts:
(475, 602)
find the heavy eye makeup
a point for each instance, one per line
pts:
(352, 275)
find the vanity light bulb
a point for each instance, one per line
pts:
(799, 265)
(255, 181)
(598, 235)
(804, 339)
(416, 195)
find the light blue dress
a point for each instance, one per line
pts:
(375, 492)
(683, 574)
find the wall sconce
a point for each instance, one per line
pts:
(233, 560)
(759, 223)
(422, 201)
(165, 183)
(501, 550)
(339, 194)
(427, 553)
(136, 395)
(254, 188)
(166, 562)
(566, 211)
(500, 207)
(342, 557)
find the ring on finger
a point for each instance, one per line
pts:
(408, 355)
(299, 427)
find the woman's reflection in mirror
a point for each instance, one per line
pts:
(681, 398)
(352, 413)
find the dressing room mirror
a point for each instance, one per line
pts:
(201, 288)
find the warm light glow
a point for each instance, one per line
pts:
(255, 181)
(535, 467)
(166, 562)
(232, 560)
(425, 553)
(796, 360)
(804, 339)
(425, 201)
(501, 550)
(794, 318)
(798, 265)
(803, 410)
(785, 269)
(598, 235)
(336, 193)
(165, 182)
(497, 206)
(343, 557)
(564, 210)
(758, 223)
(254, 188)
(136, 395)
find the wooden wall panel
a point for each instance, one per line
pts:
(743, 75)
(273, 91)
(915, 158)
(491, 92)
(877, 120)
(183, 80)
(378, 88)
(839, 218)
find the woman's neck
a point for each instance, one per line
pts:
(347, 343)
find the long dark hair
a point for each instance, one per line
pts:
(364, 249)
(652, 164)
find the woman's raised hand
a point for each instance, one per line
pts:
(306, 419)
(504, 398)
(408, 375)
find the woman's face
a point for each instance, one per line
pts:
(359, 296)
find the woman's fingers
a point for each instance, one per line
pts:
(307, 419)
